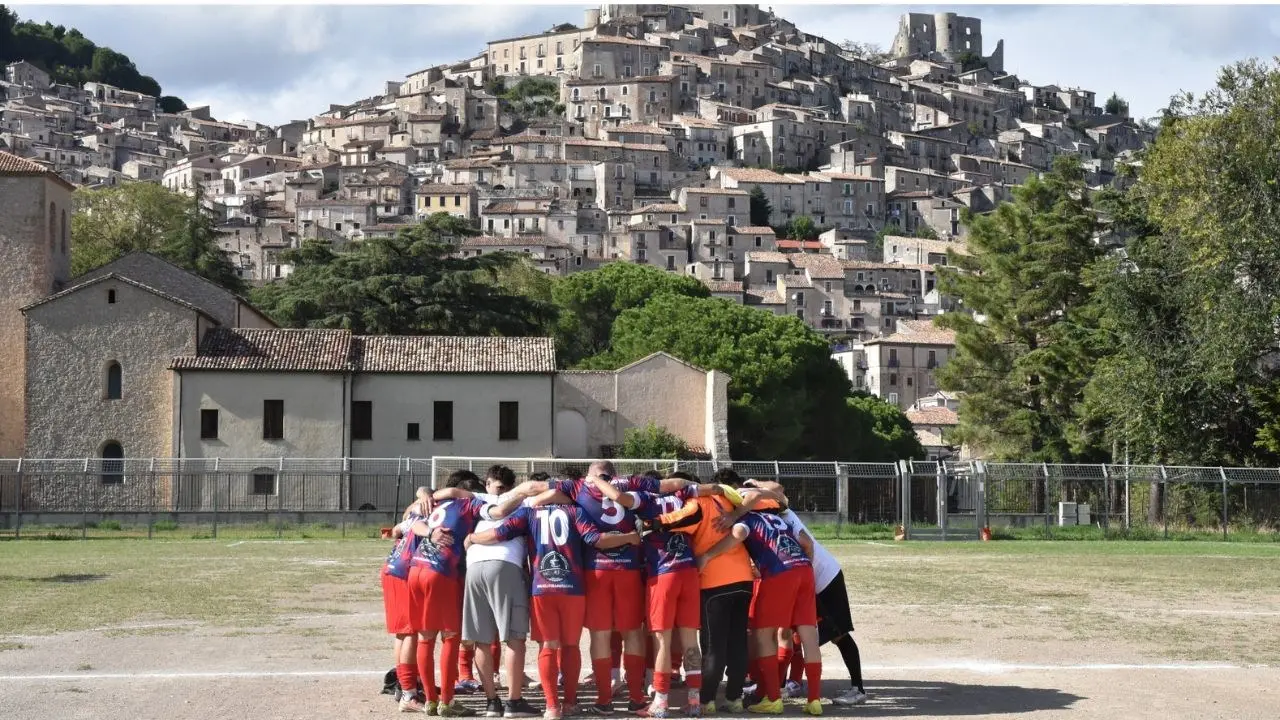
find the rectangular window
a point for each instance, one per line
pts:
(263, 484)
(442, 420)
(208, 424)
(413, 432)
(272, 419)
(508, 420)
(361, 420)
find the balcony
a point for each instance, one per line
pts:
(832, 323)
(893, 362)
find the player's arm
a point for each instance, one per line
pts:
(707, 489)
(806, 542)
(750, 501)
(735, 537)
(625, 499)
(504, 508)
(451, 493)
(765, 485)
(514, 526)
(591, 534)
(551, 496)
(672, 485)
(440, 537)
(615, 540)
(684, 519)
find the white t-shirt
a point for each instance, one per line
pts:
(512, 551)
(825, 566)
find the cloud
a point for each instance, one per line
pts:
(275, 63)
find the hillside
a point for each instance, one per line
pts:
(72, 58)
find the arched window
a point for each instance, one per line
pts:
(115, 389)
(112, 463)
(64, 232)
(53, 227)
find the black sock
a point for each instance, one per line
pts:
(852, 659)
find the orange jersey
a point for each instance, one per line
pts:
(697, 519)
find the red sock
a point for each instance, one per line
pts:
(448, 668)
(495, 649)
(427, 668)
(797, 663)
(571, 668)
(813, 671)
(549, 670)
(604, 680)
(662, 682)
(693, 679)
(466, 655)
(635, 676)
(784, 662)
(408, 676)
(770, 688)
(615, 651)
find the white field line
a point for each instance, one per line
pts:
(986, 668)
(1051, 608)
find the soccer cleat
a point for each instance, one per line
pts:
(455, 709)
(409, 703)
(709, 708)
(813, 707)
(520, 708)
(551, 714)
(597, 710)
(431, 707)
(657, 709)
(694, 709)
(636, 706)
(466, 687)
(792, 689)
(734, 707)
(767, 707)
(852, 696)
(493, 708)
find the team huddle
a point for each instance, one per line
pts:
(720, 580)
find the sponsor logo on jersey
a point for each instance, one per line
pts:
(554, 567)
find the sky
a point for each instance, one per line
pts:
(276, 63)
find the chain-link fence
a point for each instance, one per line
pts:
(340, 496)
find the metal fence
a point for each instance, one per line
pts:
(210, 495)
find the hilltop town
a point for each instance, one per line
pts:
(783, 170)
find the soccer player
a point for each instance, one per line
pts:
(558, 537)
(435, 586)
(672, 591)
(835, 624)
(785, 598)
(395, 602)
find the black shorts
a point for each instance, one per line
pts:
(834, 618)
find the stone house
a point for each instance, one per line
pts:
(334, 217)
(901, 367)
(457, 200)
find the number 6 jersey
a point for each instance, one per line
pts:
(557, 536)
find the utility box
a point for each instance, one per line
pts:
(1070, 513)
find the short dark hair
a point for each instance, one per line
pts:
(727, 476)
(652, 474)
(464, 479)
(502, 474)
(539, 477)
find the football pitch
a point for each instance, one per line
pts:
(179, 629)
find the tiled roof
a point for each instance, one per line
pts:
(736, 192)
(754, 175)
(14, 166)
(659, 208)
(929, 337)
(282, 350)
(820, 266)
(800, 245)
(767, 256)
(933, 416)
(796, 281)
(527, 241)
(438, 189)
(752, 230)
(441, 354)
(764, 296)
(170, 280)
(723, 286)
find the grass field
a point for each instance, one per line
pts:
(171, 628)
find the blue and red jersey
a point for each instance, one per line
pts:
(558, 535)
(665, 551)
(609, 516)
(459, 518)
(401, 556)
(771, 544)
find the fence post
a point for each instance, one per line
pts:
(1164, 500)
(1126, 498)
(1223, 472)
(979, 470)
(84, 503)
(842, 496)
(344, 492)
(17, 528)
(151, 503)
(1106, 501)
(1048, 524)
(280, 500)
(904, 500)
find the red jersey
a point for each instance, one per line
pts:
(459, 517)
(665, 551)
(772, 545)
(609, 516)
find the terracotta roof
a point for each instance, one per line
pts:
(796, 281)
(820, 266)
(755, 175)
(638, 128)
(930, 337)
(723, 286)
(527, 241)
(441, 354)
(764, 296)
(933, 416)
(767, 256)
(14, 166)
(800, 245)
(736, 192)
(751, 230)
(283, 350)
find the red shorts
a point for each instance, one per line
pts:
(435, 601)
(615, 600)
(785, 600)
(395, 604)
(675, 601)
(558, 618)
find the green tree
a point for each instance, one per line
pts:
(760, 209)
(803, 228)
(897, 438)
(589, 302)
(171, 104)
(409, 284)
(787, 398)
(147, 217)
(1116, 105)
(653, 442)
(1024, 364)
